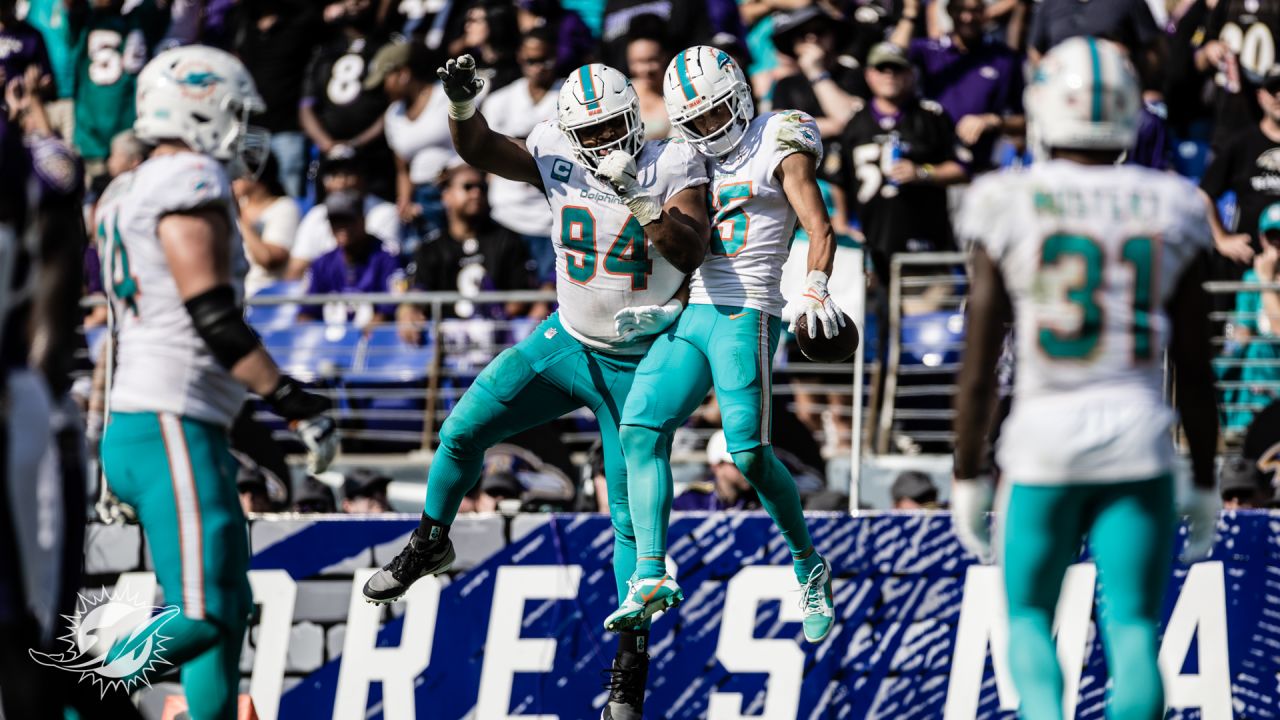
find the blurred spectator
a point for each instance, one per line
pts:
(337, 111)
(52, 19)
(1249, 166)
(497, 488)
(111, 49)
(356, 265)
(313, 496)
(473, 254)
(315, 237)
(571, 41)
(490, 35)
(647, 57)
(1255, 333)
(417, 127)
(1243, 486)
(364, 492)
(252, 486)
(514, 111)
(976, 80)
(513, 472)
(914, 490)
(728, 488)
(899, 153)
(127, 153)
(1242, 42)
(687, 22)
(1127, 22)
(823, 87)
(21, 46)
(274, 41)
(593, 493)
(268, 225)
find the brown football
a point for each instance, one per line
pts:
(823, 350)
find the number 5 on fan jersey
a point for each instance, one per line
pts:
(627, 256)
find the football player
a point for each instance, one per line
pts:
(184, 357)
(762, 180)
(630, 220)
(1099, 266)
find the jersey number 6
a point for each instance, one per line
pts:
(1138, 253)
(627, 256)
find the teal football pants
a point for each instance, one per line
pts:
(543, 377)
(1130, 528)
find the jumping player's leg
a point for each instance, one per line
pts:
(180, 478)
(1041, 536)
(1132, 542)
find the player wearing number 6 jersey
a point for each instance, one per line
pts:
(630, 221)
(762, 179)
(1100, 268)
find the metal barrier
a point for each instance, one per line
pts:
(1247, 363)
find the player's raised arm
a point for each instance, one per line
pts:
(798, 174)
(988, 313)
(196, 245)
(474, 140)
(678, 230)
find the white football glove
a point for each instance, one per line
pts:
(815, 304)
(619, 170)
(1201, 508)
(633, 322)
(320, 436)
(970, 503)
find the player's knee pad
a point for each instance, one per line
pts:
(623, 530)
(639, 441)
(507, 375)
(741, 425)
(753, 463)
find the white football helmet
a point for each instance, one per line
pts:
(699, 80)
(204, 97)
(1084, 95)
(595, 94)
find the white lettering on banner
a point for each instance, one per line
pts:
(1202, 606)
(984, 623)
(276, 591)
(506, 653)
(739, 652)
(397, 668)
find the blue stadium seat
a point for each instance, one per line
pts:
(265, 318)
(385, 357)
(932, 339)
(313, 350)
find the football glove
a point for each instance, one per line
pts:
(461, 86)
(1201, 509)
(306, 413)
(815, 304)
(634, 322)
(619, 170)
(970, 503)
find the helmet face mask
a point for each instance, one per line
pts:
(708, 100)
(599, 112)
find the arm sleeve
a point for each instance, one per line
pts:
(687, 168)
(793, 132)
(197, 181)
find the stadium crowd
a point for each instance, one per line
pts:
(363, 191)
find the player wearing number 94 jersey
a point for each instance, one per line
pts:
(630, 221)
(1099, 267)
(762, 180)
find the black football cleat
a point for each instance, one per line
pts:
(418, 559)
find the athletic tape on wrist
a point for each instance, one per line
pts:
(462, 109)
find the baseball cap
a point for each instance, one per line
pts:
(314, 496)
(363, 481)
(1269, 219)
(502, 485)
(1240, 475)
(344, 204)
(718, 449)
(788, 26)
(250, 478)
(390, 58)
(914, 485)
(886, 53)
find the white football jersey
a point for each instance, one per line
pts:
(754, 223)
(1090, 256)
(604, 263)
(162, 364)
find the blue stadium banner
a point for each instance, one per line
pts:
(920, 635)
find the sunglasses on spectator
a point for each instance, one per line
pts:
(537, 61)
(888, 68)
(1272, 236)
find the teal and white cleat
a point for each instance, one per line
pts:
(645, 598)
(817, 604)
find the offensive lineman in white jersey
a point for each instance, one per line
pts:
(184, 356)
(630, 221)
(763, 179)
(1099, 267)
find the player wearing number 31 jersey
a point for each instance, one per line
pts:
(1100, 267)
(762, 179)
(630, 222)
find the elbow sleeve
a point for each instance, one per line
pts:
(219, 320)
